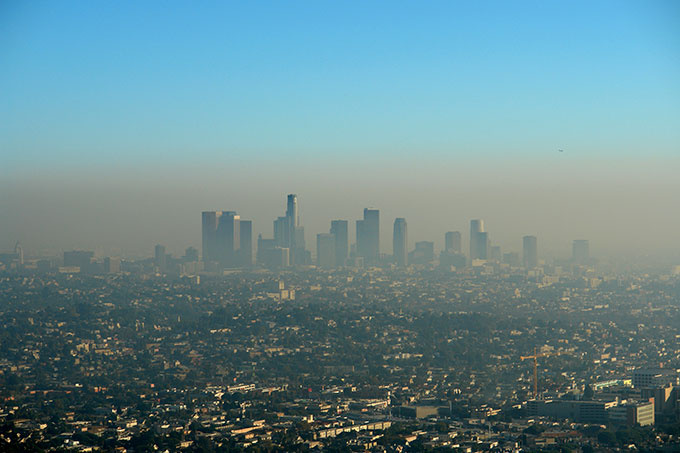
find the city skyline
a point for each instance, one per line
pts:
(340, 226)
(282, 236)
(113, 134)
(334, 249)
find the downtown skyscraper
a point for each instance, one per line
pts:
(340, 231)
(227, 240)
(400, 241)
(368, 236)
(479, 241)
(288, 233)
(209, 221)
(452, 255)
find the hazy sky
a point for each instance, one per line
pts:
(121, 121)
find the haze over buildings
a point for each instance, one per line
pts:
(316, 226)
(438, 114)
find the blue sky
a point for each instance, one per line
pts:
(101, 83)
(152, 111)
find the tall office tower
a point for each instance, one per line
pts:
(339, 229)
(580, 251)
(292, 210)
(452, 242)
(478, 240)
(246, 242)
(325, 250)
(289, 234)
(222, 241)
(452, 254)
(399, 241)
(228, 239)
(281, 232)
(160, 258)
(293, 219)
(368, 236)
(530, 251)
(210, 220)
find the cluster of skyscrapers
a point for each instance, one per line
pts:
(227, 239)
(228, 243)
(287, 247)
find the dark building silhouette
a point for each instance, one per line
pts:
(479, 241)
(452, 255)
(400, 241)
(209, 220)
(228, 239)
(222, 241)
(281, 232)
(288, 233)
(368, 236)
(246, 242)
(339, 229)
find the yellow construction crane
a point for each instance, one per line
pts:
(535, 356)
